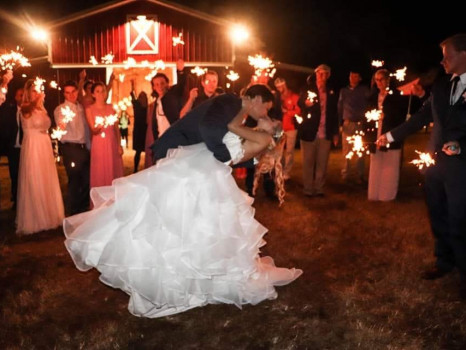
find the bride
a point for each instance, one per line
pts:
(181, 234)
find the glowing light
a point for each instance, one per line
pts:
(298, 118)
(311, 96)
(39, 34)
(9, 61)
(399, 74)
(93, 60)
(57, 134)
(233, 76)
(130, 62)
(198, 71)
(358, 149)
(424, 160)
(159, 65)
(53, 84)
(67, 114)
(373, 115)
(73, 165)
(108, 58)
(178, 40)
(239, 34)
(39, 84)
(377, 63)
(106, 120)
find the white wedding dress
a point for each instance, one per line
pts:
(178, 235)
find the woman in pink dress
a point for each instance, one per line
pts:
(106, 151)
(40, 202)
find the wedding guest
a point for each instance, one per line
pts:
(140, 124)
(106, 151)
(384, 171)
(318, 130)
(352, 106)
(73, 147)
(123, 124)
(4, 81)
(40, 203)
(290, 108)
(85, 86)
(166, 107)
(11, 135)
(444, 182)
(209, 83)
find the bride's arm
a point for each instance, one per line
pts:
(255, 141)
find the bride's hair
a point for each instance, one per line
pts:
(270, 162)
(28, 105)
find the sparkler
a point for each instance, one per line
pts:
(159, 65)
(106, 120)
(93, 61)
(53, 84)
(108, 58)
(399, 74)
(57, 134)
(178, 40)
(262, 65)
(299, 119)
(233, 76)
(425, 160)
(9, 61)
(198, 71)
(67, 114)
(358, 149)
(39, 84)
(311, 96)
(377, 63)
(130, 62)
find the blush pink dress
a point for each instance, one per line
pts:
(106, 162)
(40, 202)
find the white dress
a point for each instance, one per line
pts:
(40, 202)
(178, 235)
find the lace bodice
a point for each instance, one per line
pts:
(38, 120)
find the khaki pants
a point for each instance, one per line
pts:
(315, 159)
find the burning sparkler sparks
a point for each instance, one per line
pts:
(9, 61)
(93, 60)
(53, 84)
(373, 115)
(424, 160)
(198, 71)
(67, 114)
(106, 120)
(57, 134)
(358, 149)
(178, 40)
(262, 65)
(311, 96)
(129, 63)
(108, 58)
(233, 76)
(377, 63)
(39, 84)
(399, 74)
(159, 65)
(298, 118)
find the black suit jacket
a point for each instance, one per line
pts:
(172, 102)
(309, 127)
(206, 123)
(395, 109)
(8, 126)
(449, 121)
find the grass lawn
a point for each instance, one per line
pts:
(360, 288)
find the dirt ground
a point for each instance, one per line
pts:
(360, 288)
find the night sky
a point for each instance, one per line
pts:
(341, 33)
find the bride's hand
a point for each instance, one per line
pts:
(266, 124)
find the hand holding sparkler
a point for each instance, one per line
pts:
(451, 148)
(382, 141)
(6, 78)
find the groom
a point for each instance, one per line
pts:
(208, 122)
(445, 181)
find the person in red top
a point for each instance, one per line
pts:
(289, 101)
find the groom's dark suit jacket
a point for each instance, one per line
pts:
(444, 182)
(449, 121)
(206, 123)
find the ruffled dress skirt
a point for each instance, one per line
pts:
(178, 235)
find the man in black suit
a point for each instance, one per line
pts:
(208, 122)
(445, 181)
(11, 136)
(166, 107)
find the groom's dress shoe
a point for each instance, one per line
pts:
(434, 273)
